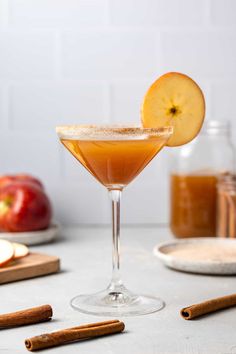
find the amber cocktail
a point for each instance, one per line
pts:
(114, 156)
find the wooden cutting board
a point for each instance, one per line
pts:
(33, 265)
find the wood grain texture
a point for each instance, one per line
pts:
(34, 265)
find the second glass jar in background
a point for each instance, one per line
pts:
(226, 206)
(193, 182)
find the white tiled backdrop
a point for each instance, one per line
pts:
(91, 61)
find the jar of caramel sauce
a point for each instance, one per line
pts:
(193, 182)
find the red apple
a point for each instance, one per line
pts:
(5, 180)
(24, 207)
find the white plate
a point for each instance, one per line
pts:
(32, 237)
(199, 255)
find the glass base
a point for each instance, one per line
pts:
(116, 303)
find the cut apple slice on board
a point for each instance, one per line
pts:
(20, 250)
(6, 252)
(174, 99)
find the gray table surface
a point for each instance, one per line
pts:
(85, 254)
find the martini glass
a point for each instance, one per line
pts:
(114, 156)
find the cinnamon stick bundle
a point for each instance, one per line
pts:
(28, 316)
(68, 335)
(232, 215)
(196, 310)
(223, 214)
(226, 206)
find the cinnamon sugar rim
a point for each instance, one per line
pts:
(111, 131)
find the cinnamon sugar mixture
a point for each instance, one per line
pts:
(110, 132)
(205, 252)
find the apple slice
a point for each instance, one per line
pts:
(6, 252)
(174, 99)
(20, 250)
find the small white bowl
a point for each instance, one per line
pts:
(32, 237)
(204, 265)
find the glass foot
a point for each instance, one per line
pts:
(118, 302)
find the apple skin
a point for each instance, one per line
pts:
(24, 207)
(7, 179)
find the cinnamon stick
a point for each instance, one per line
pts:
(222, 211)
(68, 335)
(232, 216)
(28, 316)
(196, 310)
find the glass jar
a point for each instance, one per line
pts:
(194, 175)
(226, 206)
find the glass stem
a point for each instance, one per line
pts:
(116, 283)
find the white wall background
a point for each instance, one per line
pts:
(91, 61)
